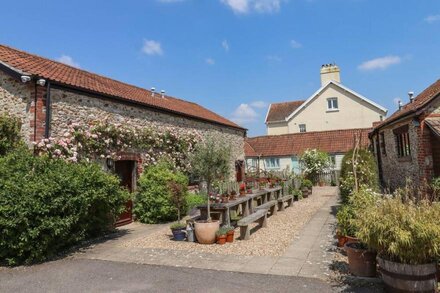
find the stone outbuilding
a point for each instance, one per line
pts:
(48, 96)
(407, 144)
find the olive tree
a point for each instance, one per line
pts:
(211, 161)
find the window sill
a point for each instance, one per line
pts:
(332, 110)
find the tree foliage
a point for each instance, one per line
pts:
(154, 197)
(211, 161)
(366, 172)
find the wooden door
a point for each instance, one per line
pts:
(126, 172)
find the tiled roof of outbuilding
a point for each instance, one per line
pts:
(334, 141)
(83, 80)
(419, 102)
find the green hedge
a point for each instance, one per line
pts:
(48, 205)
(153, 198)
(10, 137)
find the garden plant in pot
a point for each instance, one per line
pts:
(306, 188)
(229, 233)
(210, 161)
(178, 192)
(221, 235)
(406, 235)
(361, 259)
(345, 228)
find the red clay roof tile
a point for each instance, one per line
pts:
(419, 102)
(279, 111)
(334, 141)
(81, 79)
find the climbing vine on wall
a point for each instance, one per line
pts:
(105, 140)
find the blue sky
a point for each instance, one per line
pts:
(237, 56)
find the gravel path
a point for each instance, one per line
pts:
(270, 241)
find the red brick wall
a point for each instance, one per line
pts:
(38, 113)
(436, 154)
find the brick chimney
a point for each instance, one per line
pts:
(330, 72)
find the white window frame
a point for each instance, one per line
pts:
(305, 127)
(331, 103)
(272, 163)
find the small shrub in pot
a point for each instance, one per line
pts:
(406, 235)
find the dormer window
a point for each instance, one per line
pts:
(332, 104)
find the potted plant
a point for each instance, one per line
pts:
(178, 230)
(221, 235)
(177, 192)
(361, 260)
(233, 195)
(306, 188)
(210, 161)
(406, 235)
(346, 229)
(230, 233)
(242, 189)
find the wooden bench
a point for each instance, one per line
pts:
(260, 216)
(282, 200)
(270, 205)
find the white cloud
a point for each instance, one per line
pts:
(151, 47)
(381, 63)
(259, 104)
(432, 18)
(210, 61)
(274, 58)
(225, 45)
(68, 61)
(246, 6)
(244, 114)
(295, 44)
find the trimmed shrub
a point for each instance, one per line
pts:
(366, 173)
(10, 137)
(195, 199)
(48, 205)
(153, 203)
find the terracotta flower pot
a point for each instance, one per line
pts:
(221, 239)
(361, 262)
(341, 240)
(242, 192)
(205, 231)
(230, 236)
(399, 277)
(350, 239)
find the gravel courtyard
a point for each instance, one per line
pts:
(270, 241)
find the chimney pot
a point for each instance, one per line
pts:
(330, 72)
(411, 96)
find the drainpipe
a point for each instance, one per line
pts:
(48, 111)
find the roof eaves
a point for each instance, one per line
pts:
(267, 113)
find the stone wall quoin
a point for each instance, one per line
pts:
(16, 100)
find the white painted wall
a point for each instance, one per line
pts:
(353, 112)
